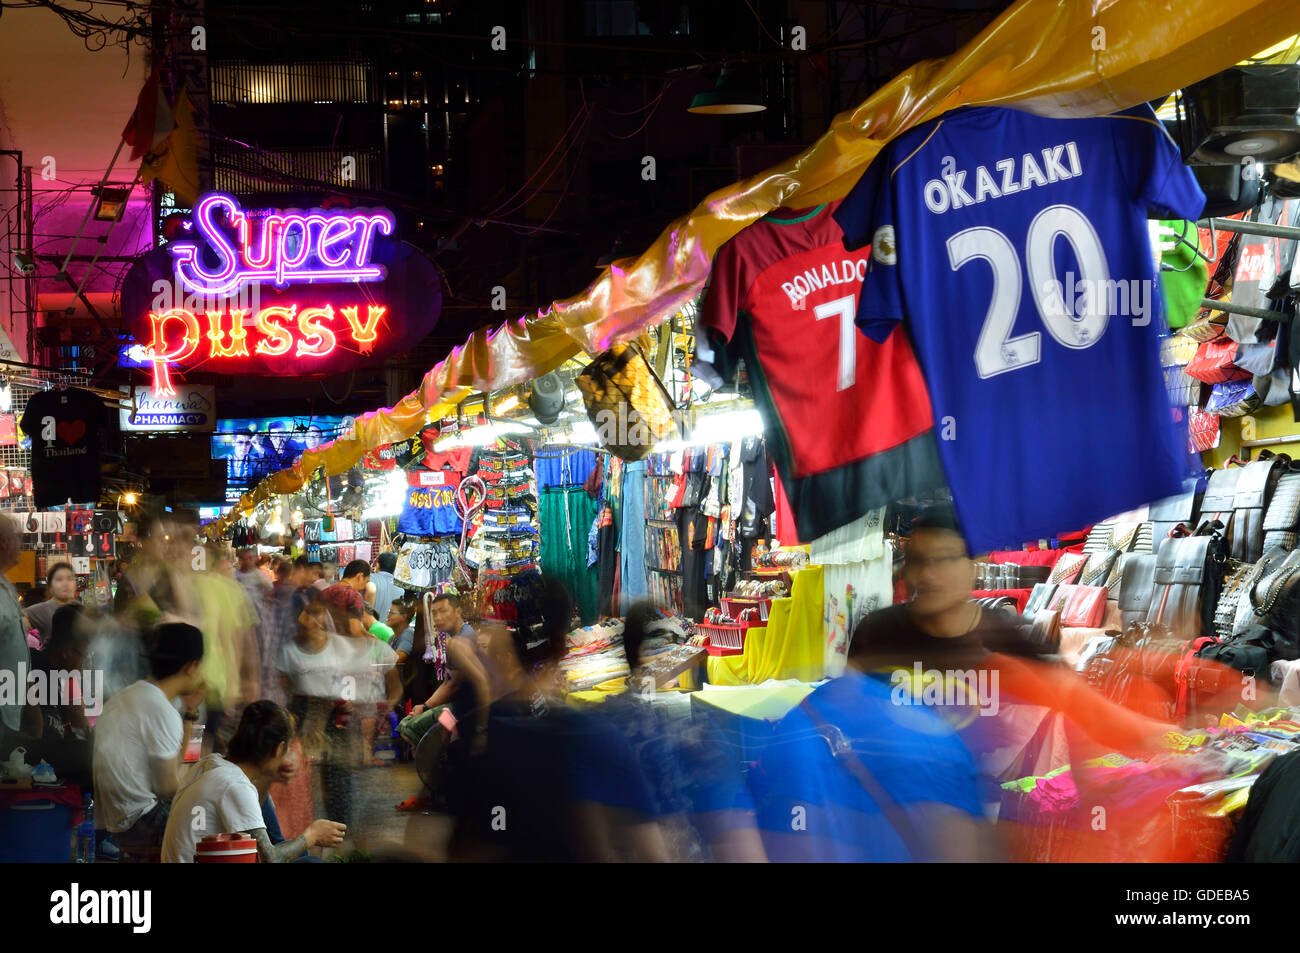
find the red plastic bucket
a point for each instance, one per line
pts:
(226, 849)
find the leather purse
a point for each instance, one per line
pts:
(1061, 597)
(1099, 537)
(1097, 569)
(1283, 513)
(1145, 540)
(1039, 597)
(1136, 587)
(1275, 597)
(1044, 632)
(1086, 608)
(1221, 491)
(1169, 512)
(1235, 582)
(1067, 568)
(1285, 539)
(1188, 579)
(627, 402)
(1254, 489)
(1245, 616)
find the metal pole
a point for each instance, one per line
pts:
(91, 208)
(1262, 229)
(1246, 310)
(94, 258)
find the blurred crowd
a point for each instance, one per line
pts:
(248, 693)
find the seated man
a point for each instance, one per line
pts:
(62, 734)
(228, 795)
(140, 740)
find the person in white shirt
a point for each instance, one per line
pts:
(224, 795)
(140, 740)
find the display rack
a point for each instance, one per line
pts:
(24, 383)
(662, 550)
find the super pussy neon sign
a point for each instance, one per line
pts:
(281, 247)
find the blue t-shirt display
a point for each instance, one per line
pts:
(1017, 249)
(429, 511)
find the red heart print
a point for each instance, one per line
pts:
(71, 431)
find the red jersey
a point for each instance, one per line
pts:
(838, 407)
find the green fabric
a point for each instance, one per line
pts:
(1183, 290)
(564, 553)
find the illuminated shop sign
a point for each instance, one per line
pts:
(278, 247)
(280, 292)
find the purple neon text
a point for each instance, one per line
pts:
(288, 247)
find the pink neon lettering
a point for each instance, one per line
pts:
(330, 246)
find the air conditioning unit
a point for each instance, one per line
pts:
(1246, 113)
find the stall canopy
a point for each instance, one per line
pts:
(1072, 60)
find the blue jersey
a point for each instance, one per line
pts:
(1017, 249)
(429, 511)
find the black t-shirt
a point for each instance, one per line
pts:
(64, 427)
(889, 637)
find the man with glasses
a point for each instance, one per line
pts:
(941, 627)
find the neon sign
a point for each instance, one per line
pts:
(281, 247)
(176, 335)
(298, 292)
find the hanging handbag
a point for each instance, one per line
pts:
(627, 403)
(1202, 431)
(1235, 582)
(1183, 389)
(1086, 608)
(1213, 363)
(1233, 399)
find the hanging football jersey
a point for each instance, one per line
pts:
(429, 511)
(1017, 249)
(846, 419)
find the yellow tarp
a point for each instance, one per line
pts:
(1069, 59)
(789, 646)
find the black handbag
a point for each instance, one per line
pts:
(1255, 487)
(1276, 597)
(1166, 514)
(1136, 586)
(1188, 580)
(1282, 517)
